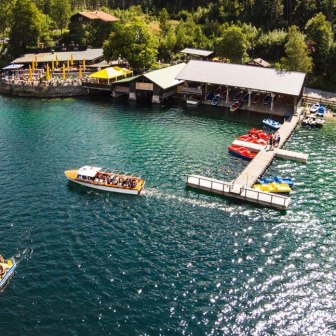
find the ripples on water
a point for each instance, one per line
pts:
(173, 261)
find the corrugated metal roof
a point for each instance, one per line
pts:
(63, 56)
(243, 76)
(166, 77)
(198, 52)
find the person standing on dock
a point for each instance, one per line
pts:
(277, 139)
(270, 142)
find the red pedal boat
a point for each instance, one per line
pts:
(253, 139)
(260, 133)
(241, 152)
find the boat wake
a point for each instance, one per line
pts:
(24, 255)
(231, 209)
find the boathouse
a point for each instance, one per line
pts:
(155, 86)
(283, 88)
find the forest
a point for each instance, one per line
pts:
(296, 35)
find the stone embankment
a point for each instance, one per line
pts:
(42, 90)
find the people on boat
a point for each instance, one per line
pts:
(3, 266)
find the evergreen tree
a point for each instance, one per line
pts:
(297, 53)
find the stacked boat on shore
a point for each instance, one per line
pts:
(316, 117)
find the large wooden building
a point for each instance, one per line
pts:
(285, 88)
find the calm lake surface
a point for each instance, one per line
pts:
(171, 261)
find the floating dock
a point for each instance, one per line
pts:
(235, 191)
(241, 187)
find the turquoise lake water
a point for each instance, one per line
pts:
(172, 261)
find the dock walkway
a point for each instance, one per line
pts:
(241, 187)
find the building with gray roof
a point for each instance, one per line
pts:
(200, 77)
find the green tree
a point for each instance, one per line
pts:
(267, 13)
(133, 42)
(320, 35)
(232, 45)
(164, 21)
(26, 27)
(297, 53)
(6, 10)
(60, 13)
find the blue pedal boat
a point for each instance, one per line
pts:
(276, 179)
(271, 123)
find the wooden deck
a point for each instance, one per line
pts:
(255, 169)
(241, 187)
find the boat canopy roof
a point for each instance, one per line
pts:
(89, 171)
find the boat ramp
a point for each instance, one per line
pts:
(241, 187)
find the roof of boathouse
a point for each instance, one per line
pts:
(244, 76)
(166, 77)
(63, 56)
(197, 52)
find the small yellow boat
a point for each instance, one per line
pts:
(94, 177)
(7, 268)
(273, 187)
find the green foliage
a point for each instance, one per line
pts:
(232, 45)
(132, 41)
(6, 13)
(297, 53)
(164, 21)
(60, 13)
(270, 45)
(26, 27)
(320, 35)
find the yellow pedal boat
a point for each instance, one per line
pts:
(273, 187)
(94, 177)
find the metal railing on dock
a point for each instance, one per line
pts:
(234, 191)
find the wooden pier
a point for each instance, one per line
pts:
(241, 187)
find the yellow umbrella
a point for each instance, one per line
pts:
(63, 71)
(71, 60)
(33, 65)
(80, 74)
(36, 61)
(56, 61)
(68, 65)
(30, 73)
(52, 65)
(48, 73)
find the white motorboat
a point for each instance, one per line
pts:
(94, 177)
